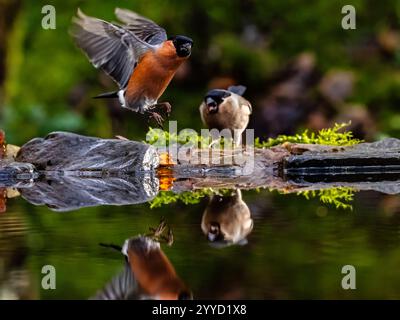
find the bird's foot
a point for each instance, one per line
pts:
(166, 107)
(158, 235)
(157, 232)
(157, 118)
(162, 106)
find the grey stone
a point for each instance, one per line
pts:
(72, 152)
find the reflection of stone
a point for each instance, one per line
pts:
(65, 192)
(227, 219)
(72, 152)
(16, 173)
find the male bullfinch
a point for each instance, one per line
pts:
(137, 55)
(148, 273)
(227, 220)
(226, 109)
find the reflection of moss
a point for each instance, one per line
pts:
(330, 136)
(187, 197)
(337, 196)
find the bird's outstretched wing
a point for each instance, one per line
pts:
(143, 28)
(122, 287)
(109, 47)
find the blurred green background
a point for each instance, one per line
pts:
(301, 68)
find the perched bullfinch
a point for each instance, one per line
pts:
(227, 220)
(226, 109)
(148, 273)
(137, 55)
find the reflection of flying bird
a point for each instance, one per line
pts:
(226, 109)
(148, 273)
(227, 220)
(138, 56)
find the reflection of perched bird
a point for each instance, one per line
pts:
(138, 56)
(148, 273)
(227, 220)
(226, 109)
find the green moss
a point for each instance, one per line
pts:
(160, 138)
(329, 136)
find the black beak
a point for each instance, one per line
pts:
(212, 105)
(185, 49)
(187, 46)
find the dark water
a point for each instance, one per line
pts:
(296, 249)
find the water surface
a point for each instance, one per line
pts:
(296, 249)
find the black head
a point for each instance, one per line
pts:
(183, 45)
(214, 233)
(217, 239)
(214, 98)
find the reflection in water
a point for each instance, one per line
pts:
(15, 282)
(227, 220)
(147, 274)
(71, 192)
(295, 243)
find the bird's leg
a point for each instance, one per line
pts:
(157, 117)
(237, 140)
(165, 106)
(168, 239)
(157, 233)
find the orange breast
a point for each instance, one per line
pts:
(155, 274)
(154, 72)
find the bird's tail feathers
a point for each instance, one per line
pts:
(112, 246)
(107, 95)
(239, 90)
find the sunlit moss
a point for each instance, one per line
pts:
(329, 136)
(188, 138)
(339, 197)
